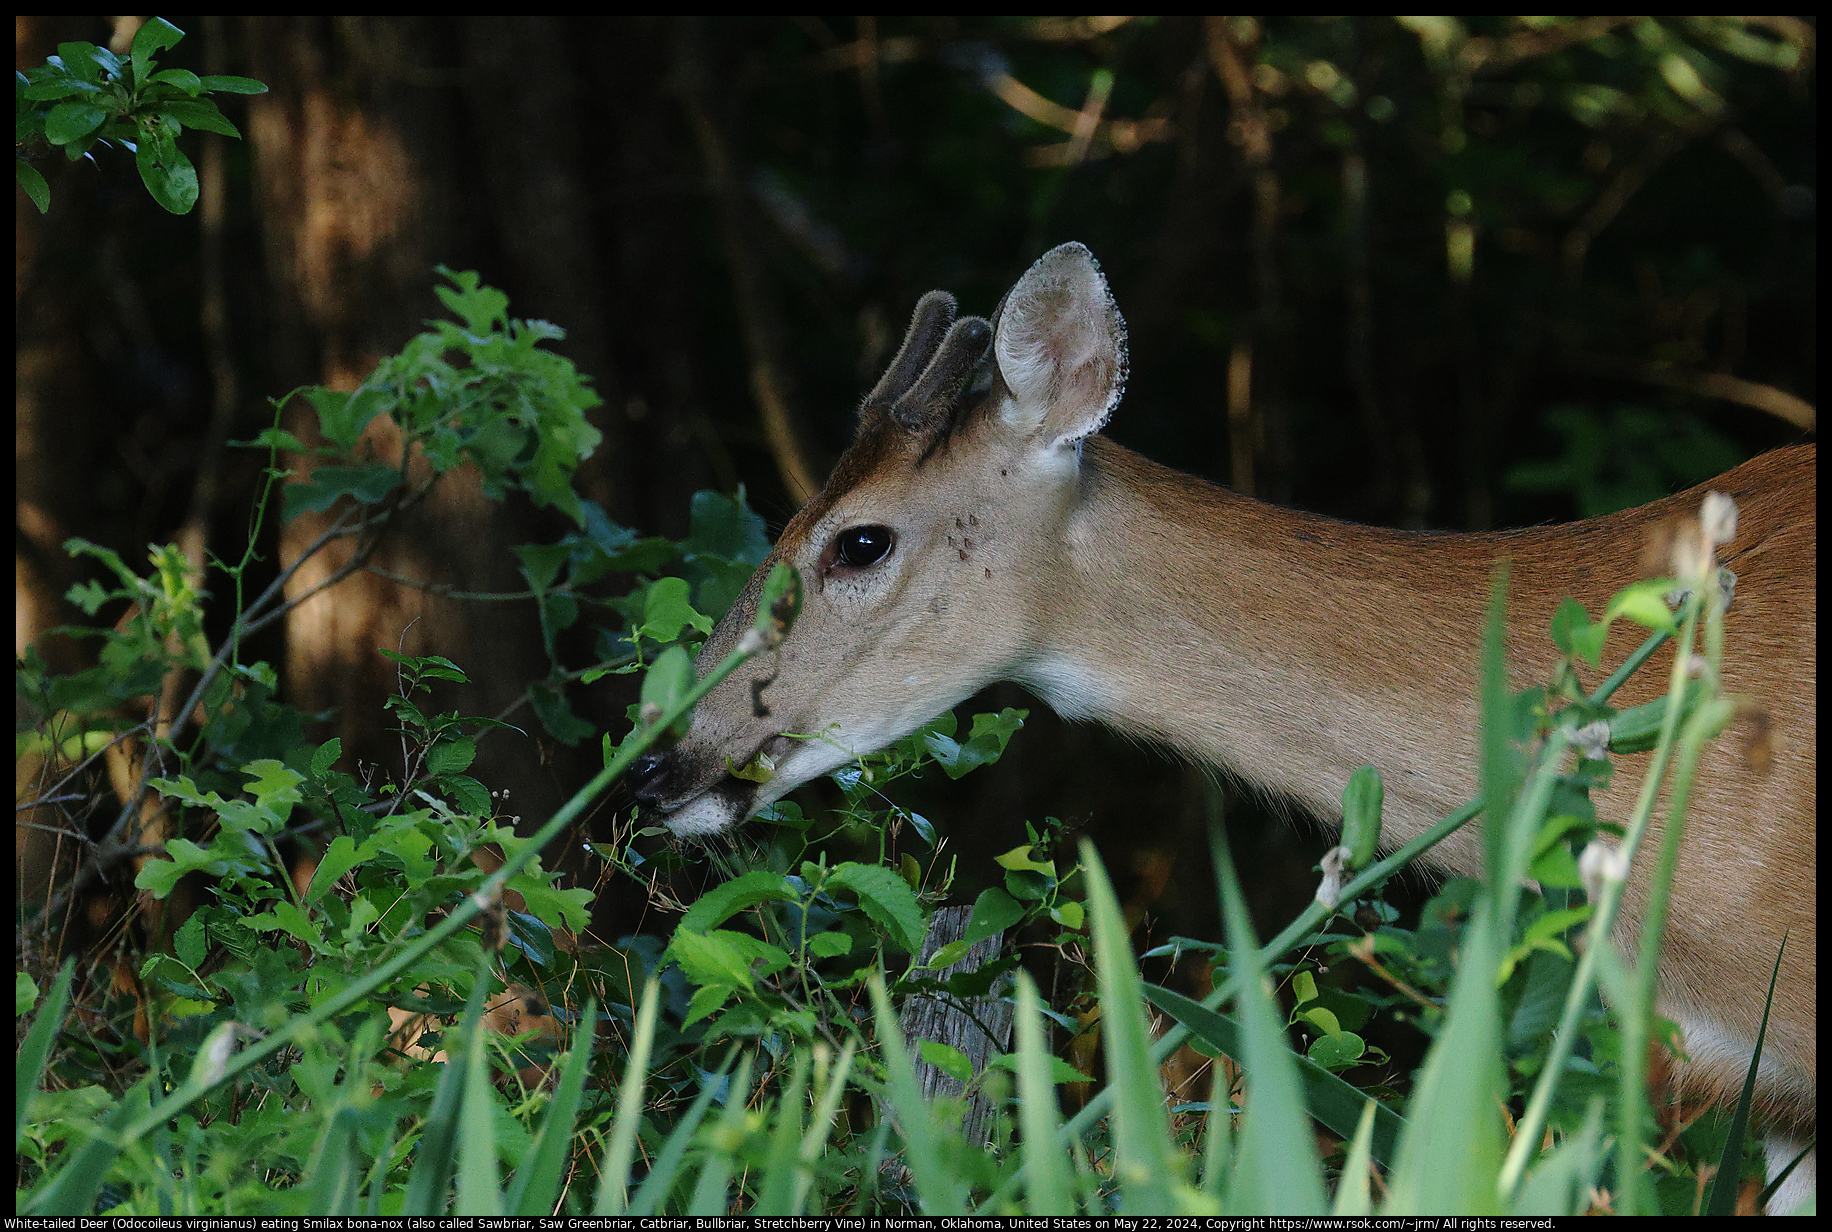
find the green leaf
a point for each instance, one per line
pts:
(666, 611)
(724, 901)
(151, 39)
(950, 1061)
(164, 169)
(73, 121)
(181, 80)
(25, 995)
(994, 911)
(570, 909)
(723, 957)
(468, 794)
(233, 85)
(339, 858)
(886, 899)
(274, 785)
(1361, 806)
(289, 919)
(369, 485)
(1645, 603)
(725, 526)
(556, 715)
(326, 756)
(191, 942)
(451, 756)
(32, 181)
(668, 679)
(203, 115)
(1573, 633)
(1337, 1051)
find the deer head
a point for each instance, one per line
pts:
(926, 559)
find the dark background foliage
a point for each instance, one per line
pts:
(1424, 275)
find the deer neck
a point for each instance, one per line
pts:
(1285, 648)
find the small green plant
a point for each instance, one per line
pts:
(86, 96)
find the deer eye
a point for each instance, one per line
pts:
(859, 546)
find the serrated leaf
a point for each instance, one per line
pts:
(451, 756)
(724, 901)
(326, 756)
(190, 942)
(886, 899)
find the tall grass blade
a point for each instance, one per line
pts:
(1353, 1191)
(653, 1191)
(1039, 1115)
(480, 1190)
(827, 1103)
(614, 1185)
(1218, 1148)
(1561, 1184)
(1276, 1170)
(1145, 1164)
(777, 1195)
(1451, 1150)
(74, 1185)
(709, 1197)
(1723, 1200)
(335, 1179)
(1333, 1101)
(432, 1166)
(377, 1181)
(29, 1068)
(938, 1187)
(535, 1191)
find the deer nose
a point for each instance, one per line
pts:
(644, 776)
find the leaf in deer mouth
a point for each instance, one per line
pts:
(759, 769)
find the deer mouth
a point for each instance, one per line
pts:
(718, 808)
(672, 789)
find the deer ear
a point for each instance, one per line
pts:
(1061, 348)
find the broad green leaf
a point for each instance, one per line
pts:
(369, 485)
(886, 899)
(666, 611)
(994, 911)
(451, 756)
(32, 181)
(73, 121)
(724, 901)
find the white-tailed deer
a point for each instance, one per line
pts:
(978, 530)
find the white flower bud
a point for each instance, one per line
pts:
(1718, 517)
(1600, 865)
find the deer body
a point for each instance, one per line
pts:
(978, 531)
